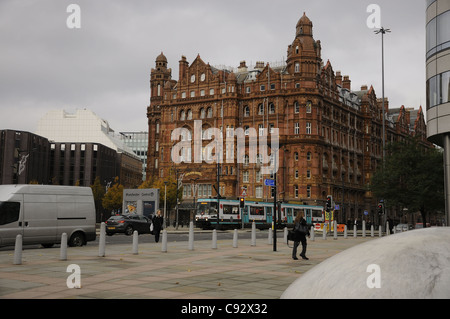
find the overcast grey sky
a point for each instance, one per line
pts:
(105, 65)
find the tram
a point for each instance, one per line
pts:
(231, 217)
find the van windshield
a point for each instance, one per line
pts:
(9, 212)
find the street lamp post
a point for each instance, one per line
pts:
(165, 203)
(383, 31)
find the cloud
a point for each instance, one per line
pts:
(105, 66)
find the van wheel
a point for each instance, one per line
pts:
(77, 240)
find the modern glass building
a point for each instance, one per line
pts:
(138, 142)
(438, 82)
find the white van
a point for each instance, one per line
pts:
(42, 213)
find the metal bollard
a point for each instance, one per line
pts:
(135, 242)
(102, 240)
(345, 232)
(270, 237)
(164, 241)
(214, 239)
(63, 249)
(235, 239)
(312, 234)
(285, 235)
(191, 236)
(364, 228)
(355, 231)
(388, 232)
(253, 242)
(372, 231)
(324, 233)
(18, 251)
(380, 231)
(335, 230)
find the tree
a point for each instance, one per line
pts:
(98, 190)
(412, 178)
(155, 182)
(114, 197)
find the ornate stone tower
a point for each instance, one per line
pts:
(304, 54)
(159, 76)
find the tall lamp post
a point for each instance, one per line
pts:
(383, 31)
(165, 203)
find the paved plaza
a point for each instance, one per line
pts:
(245, 272)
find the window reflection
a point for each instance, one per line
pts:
(438, 89)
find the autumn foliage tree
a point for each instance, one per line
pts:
(156, 182)
(412, 178)
(112, 201)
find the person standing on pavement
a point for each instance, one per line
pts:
(157, 221)
(301, 231)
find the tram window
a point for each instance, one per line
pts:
(228, 209)
(316, 213)
(257, 211)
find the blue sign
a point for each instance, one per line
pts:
(269, 182)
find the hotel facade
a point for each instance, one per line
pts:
(329, 136)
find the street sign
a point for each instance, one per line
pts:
(269, 182)
(244, 193)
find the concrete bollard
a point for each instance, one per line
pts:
(235, 239)
(102, 241)
(191, 236)
(335, 230)
(364, 228)
(18, 251)
(355, 231)
(372, 231)
(312, 234)
(324, 233)
(214, 239)
(135, 242)
(270, 236)
(164, 241)
(63, 249)
(345, 232)
(253, 242)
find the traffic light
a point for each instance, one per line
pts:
(241, 202)
(380, 209)
(274, 191)
(329, 203)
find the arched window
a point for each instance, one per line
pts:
(189, 114)
(246, 111)
(202, 113)
(209, 112)
(182, 116)
(261, 109)
(271, 108)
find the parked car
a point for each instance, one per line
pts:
(127, 224)
(403, 227)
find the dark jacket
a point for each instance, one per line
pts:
(301, 235)
(157, 223)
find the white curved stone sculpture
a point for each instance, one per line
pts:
(413, 264)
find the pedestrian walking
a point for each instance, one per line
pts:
(301, 231)
(157, 221)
